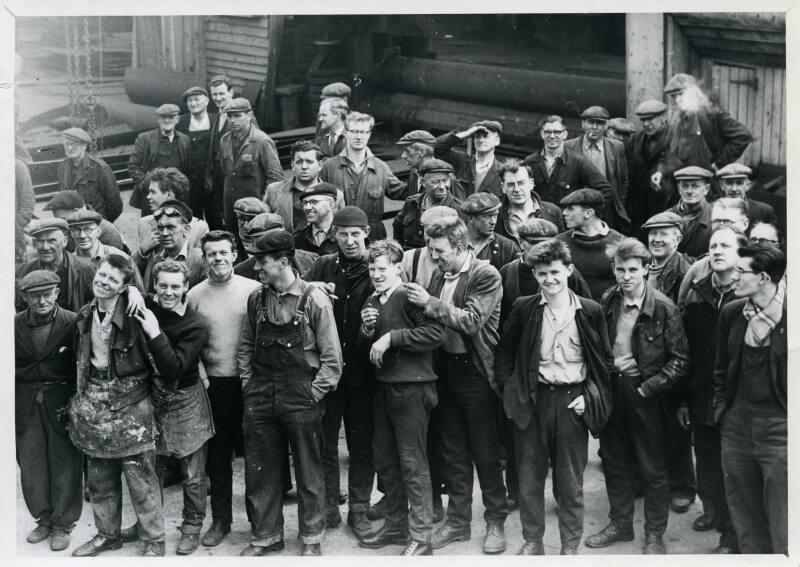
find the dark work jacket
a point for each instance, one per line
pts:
(517, 361)
(325, 146)
(695, 241)
(249, 177)
(616, 174)
(511, 291)
(724, 137)
(144, 155)
(79, 283)
(56, 364)
(464, 166)
(215, 176)
(642, 202)
(304, 240)
(572, 171)
(407, 228)
(499, 251)
(659, 341)
(200, 166)
(700, 317)
(95, 183)
(730, 344)
(130, 364)
(546, 211)
(672, 275)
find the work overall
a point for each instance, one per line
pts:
(279, 406)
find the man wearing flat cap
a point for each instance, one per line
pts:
(330, 126)
(197, 126)
(335, 90)
(588, 238)
(417, 262)
(84, 227)
(289, 359)
(649, 191)
(436, 176)
(416, 147)
(479, 171)
(44, 361)
(162, 147)
(172, 223)
(608, 156)
(620, 129)
(75, 278)
(88, 175)
(249, 159)
(735, 181)
(258, 226)
(344, 276)
(722, 139)
(66, 203)
(557, 170)
(694, 183)
(481, 210)
(245, 209)
(319, 205)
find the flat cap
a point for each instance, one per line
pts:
(77, 135)
(46, 225)
(38, 280)
(174, 207)
(586, 197)
(191, 91)
(622, 125)
(480, 202)
(434, 165)
(274, 241)
(414, 136)
(734, 170)
(335, 90)
(595, 113)
(693, 172)
(678, 83)
(650, 108)
(65, 200)
(437, 213)
(249, 206)
(664, 220)
(537, 229)
(238, 105)
(257, 226)
(84, 216)
(492, 125)
(216, 79)
(168, 109)
(320, 189)
(350, 216)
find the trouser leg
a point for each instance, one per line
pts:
(680, 466)
(331, 424)
(34, 469)
(532, 465)
(145, 493)
(304, 431)
(771, 455)
(387, 460)
(225, 396)
(195, 490)
(711, 480)
(358, 426)
(104, 477)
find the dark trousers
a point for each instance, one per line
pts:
(555, 434)
(711, 481)
(402, 413)
(469, 435)
(195, 487)
(51, 471)
(225, 396)
(680, 465)
(434, 453)
(756, 477)
(214, 207)
(635, 431)
(354, 404)
(506, 429)
(105, 490)
(267, 427)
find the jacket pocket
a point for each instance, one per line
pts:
(375, 192)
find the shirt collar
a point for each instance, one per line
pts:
(638, 302)
(294, 289)
(388, 293)
(574, 300)
(182, 255)
(464, 268)
(587, 144)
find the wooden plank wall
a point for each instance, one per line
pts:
(169, 41)
(237, 47)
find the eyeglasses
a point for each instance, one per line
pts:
(757, 240)
(170, 212)
(723, 222)
(360, 132)
(78, 230)
(552, 132)
(741, 271)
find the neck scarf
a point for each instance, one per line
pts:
(761, 322)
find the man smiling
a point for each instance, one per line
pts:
(693, 186)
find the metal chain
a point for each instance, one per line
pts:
(89, 101)
(69, 31)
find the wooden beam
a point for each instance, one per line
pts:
(644, 58)
(678, 49)
(736, 35)
(735, 46)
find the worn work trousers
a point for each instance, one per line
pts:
(754, 460)
(402, 414)
(711, 481)
(635, 432)
(555, 434)
(680, 466)
(105, 491)
(354, 404)
(51, 470)
(195, 487)
(469, 435)
(225, 396)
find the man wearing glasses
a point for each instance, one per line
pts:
(767, 234)
(750, 376)
(172, 222)
(89, 176)
(479, 171)
(557, 170)
(364, 179)
(735, 180)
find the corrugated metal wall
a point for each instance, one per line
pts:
(237, 47)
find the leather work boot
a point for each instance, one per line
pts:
(705, 522)
(59, 539)
(216, 533)
(679, 504)
(154, 549)
(612, 533)
(383, 536)
(415, 547)
(188, 544)
(260, 550)
(97, 544)
(130, 534)
(495, 540)
(39, 533)
(654, 545)
(448, 534)
(311, 550)
(359, 522)
(532, 548)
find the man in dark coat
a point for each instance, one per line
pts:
(481, 210)
(44, 363)
(552, 363)
(694, 183)
(197, 125)
(417, 147)
(735, 180)
(162, 147)
(330, 123)
(750, 380)
(481, 170)
(608, 156)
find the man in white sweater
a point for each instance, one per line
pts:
(222, 301)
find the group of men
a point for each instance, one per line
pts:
(628, 290)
